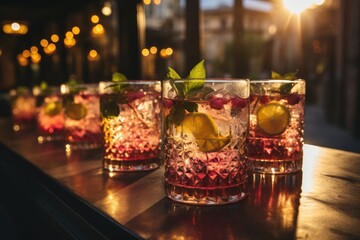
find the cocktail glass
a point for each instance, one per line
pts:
(23, 108)
(82, 116)
(130, 121)
(50, 117)
(205, 130)
(276, 134)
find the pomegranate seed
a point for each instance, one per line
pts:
(264, 99)
(238, 102)
(168, 103)
(218, 103)
(132, 96)
(293, 99)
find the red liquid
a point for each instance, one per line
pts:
(281, 153)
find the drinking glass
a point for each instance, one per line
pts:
(82, 116)
(205, 130)
(23, 108)
(130, 122)
(50, 115)
(276, 135)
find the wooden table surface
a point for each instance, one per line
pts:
(321, 202)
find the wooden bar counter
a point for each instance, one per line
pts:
(54, 194)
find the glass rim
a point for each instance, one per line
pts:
(135, 82)
(277, 80)
(80, 85)
(212, 80)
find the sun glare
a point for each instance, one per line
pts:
(297, 6)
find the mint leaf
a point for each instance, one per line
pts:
(118, 77)
(119, 81)
(172, 74)
(291, 76)
(275, 75)
(286, 87)
(178, 87)
(196, 78)
(191, 85)
(190, 106)
(198, 71)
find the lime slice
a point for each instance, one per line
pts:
(75, 111)
(273, 118)
(205, 131)
(110, 109)
(53, 108)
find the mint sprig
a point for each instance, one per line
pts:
(194, 82)
(286, 87)
(186, 89)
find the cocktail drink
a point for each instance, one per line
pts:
(50, 117)
(205, 130)
(130, 121)
(276, 134)
(23, 108)
(82, 116)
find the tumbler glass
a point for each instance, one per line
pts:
(130, 122)
(205, 130)
(50, 115)
(82, 116)
(23, 108)
(276, 135)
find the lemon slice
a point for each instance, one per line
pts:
(205, 131)
(75, 111)
(53, 108)
(273, 118)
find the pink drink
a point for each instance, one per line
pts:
(23, 109)
(82, 116)
(50, 118)
(205, 150)
(275, 145)
(130, 121)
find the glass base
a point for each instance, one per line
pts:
(274, 166)
(83, 146)
(202, 196)
(130, 166)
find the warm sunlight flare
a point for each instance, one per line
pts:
(298, 7)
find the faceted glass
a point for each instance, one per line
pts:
(130, 122)
(50, 115)
(205, 130)
(23, 108)
(82, 116)
(276, 134)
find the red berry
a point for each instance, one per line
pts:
(132, 96)
(168, 103)
(217, 103)
(264, 99)
(238, 102)
(293, 99)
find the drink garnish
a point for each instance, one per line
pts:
(273, 118)
(187, 89)
(111, 108)
(285, 88)
(205, 131)
(75, 111)
(53, 108)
